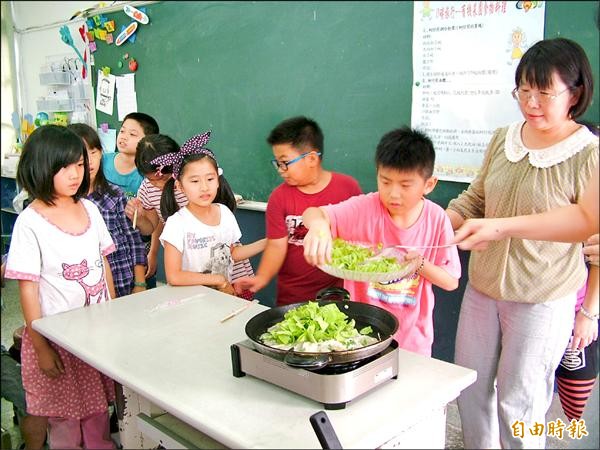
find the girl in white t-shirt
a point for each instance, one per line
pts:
(199, 238)
(58, 253)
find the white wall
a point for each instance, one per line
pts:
(8, 76)
(37, 39)
(35, 14)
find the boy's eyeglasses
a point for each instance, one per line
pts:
(283, 165)
(541, 98)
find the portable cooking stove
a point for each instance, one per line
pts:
(333, 385)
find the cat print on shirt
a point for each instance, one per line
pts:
(77, 272)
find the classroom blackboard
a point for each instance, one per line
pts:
(239, 68)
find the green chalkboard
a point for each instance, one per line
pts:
(238, 68)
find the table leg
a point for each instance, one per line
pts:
(129, 433)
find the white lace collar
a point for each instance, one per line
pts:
(515, 150)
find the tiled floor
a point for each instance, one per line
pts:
(454, 434)
(12, 319)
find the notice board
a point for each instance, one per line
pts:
(239, 68)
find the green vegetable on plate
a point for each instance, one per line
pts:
(358, 258)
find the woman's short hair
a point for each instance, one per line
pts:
(568, 60)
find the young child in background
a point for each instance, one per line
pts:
(397, 214)
(119, 167)
(128, 261)
(199, 239)
(147, 203)
(150, 218)
(578, 369)
(58, 253)
(298, 149)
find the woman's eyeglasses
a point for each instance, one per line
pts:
(283, 165)
(541, 98)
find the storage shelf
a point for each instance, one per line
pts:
(55, 78)
(55, 105)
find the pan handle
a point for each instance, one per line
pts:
(324, 430)
(307, 362)
(333, 293)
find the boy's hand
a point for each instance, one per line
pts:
(412, 254)
(590, 249)
(250, 283)
(133, 204)
(317, 245)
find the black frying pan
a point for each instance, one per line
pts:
(383, 323)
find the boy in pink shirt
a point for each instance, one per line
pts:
(397, 214)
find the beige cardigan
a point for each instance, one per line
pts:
(515, 181)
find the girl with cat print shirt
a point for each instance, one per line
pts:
(199, 238)
(58, 254)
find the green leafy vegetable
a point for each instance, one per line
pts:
(313, 323)
(357, 258)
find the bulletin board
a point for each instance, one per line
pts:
(239, 68)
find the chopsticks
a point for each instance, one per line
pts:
(422, 246)
(135, 218)
(238, 311)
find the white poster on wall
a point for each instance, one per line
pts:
(464, 58)
(126, 96)
(105, 93)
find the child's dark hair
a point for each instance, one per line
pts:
(47, 150)
(168, 202)
(406, 149)
(300, 132)
(568, 60)
(151, 146)
(146, 121)
(91, 138)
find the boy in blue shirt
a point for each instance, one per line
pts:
(119, 167)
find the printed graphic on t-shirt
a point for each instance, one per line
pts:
(77, 272)
(196, 243)
(220, 259)
(573, 359)
(396, 292)
(296, 229)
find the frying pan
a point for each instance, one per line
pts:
(383, 323)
